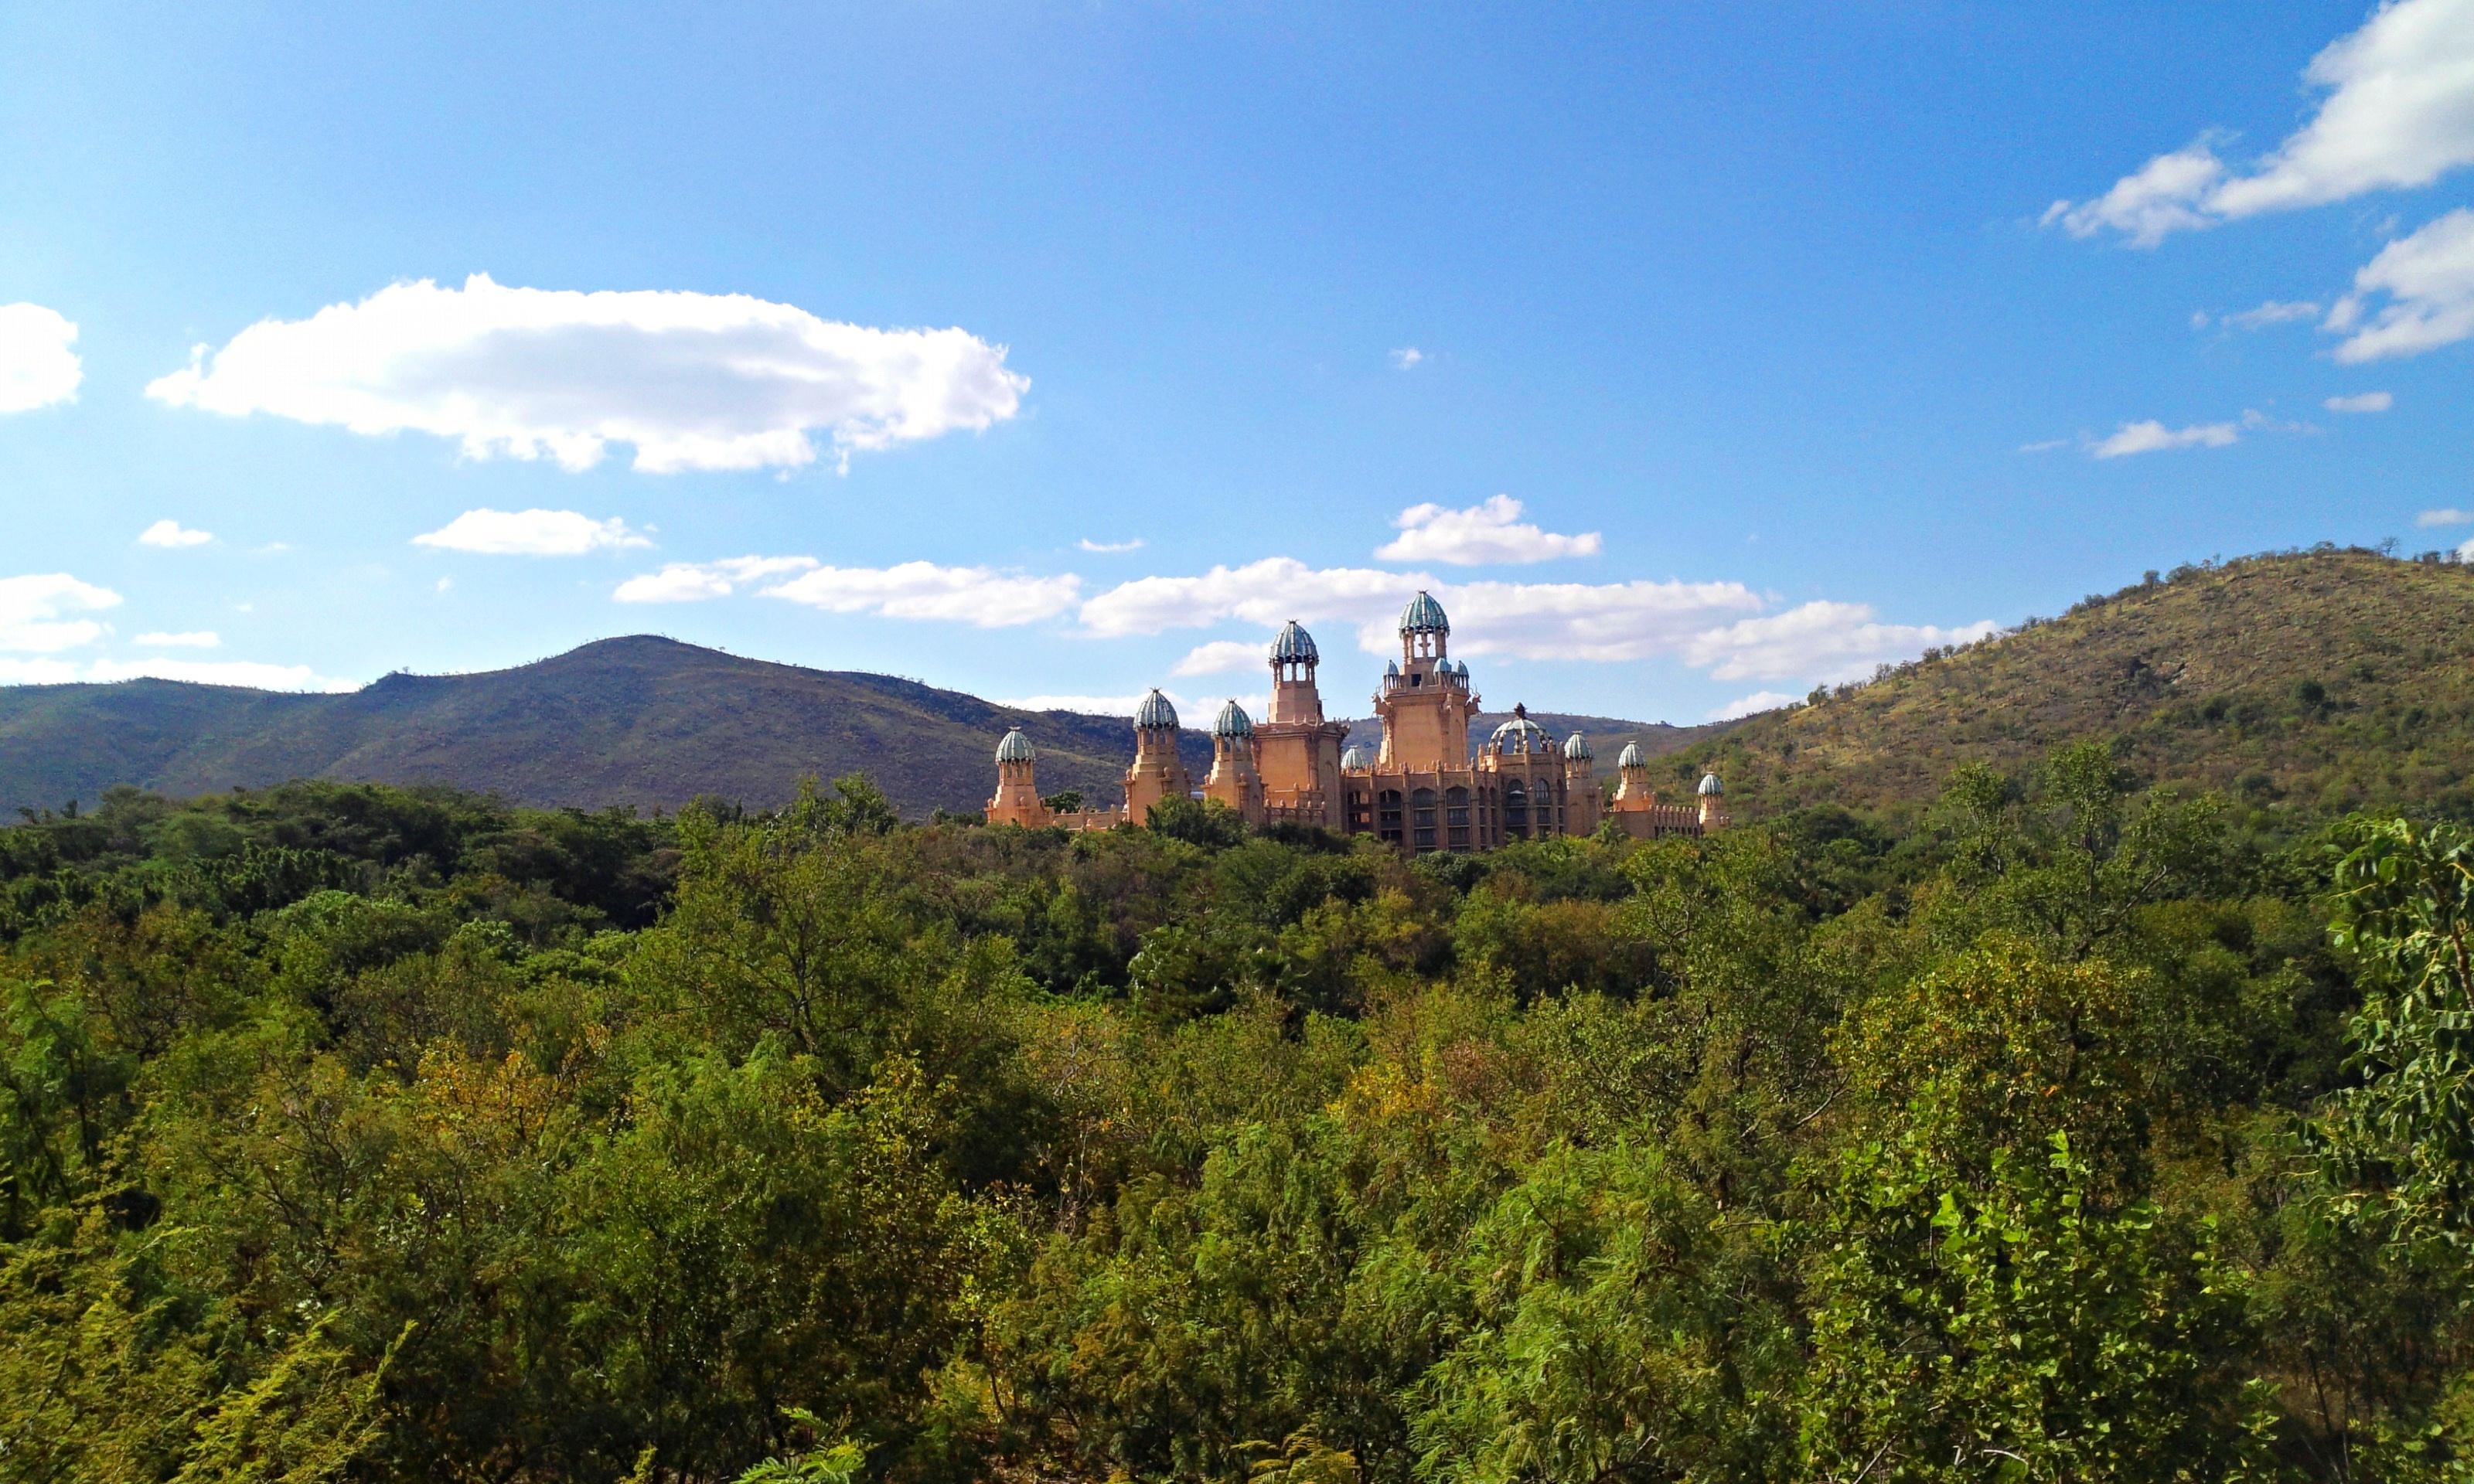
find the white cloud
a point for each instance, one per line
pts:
(1746, 705)
(1087, 705)
(692, 582)
(250, 673)
(1265, 592)
(2443, 517)
(2428, 280)
(37, 672)
(2044, 445)
(34, 613)
(1408, 358)
(976, 595)
(2152, 436)
(1221, 656)
(2361, 401)
(1487, 532)
(692, 381)
(531, 533)
(1822, 641)
(192, 639)
(2399, 114)
(2149, 204)
(1611, 621)
(1088, 545)
(170, 533)
(36, 366)
(1595, 621)
(2273, 312)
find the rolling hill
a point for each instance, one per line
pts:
(639, 721)
(2302, 685)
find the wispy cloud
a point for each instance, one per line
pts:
(2399, 112)
(2273, 312)
(1221, 656)
(255, 675)
(1491, 530)
(976, 595)
(531, 533)
(1746, 705)
(2443, 517)
(1819, 641)
(694, 582)
(190, 638)
(690, 381)
(2361, 401)
(172, 534)
(2152, 437)
(1109, 548)
(1408, 358)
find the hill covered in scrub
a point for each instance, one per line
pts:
(2301, 684)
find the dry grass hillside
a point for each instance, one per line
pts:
(2301, 684)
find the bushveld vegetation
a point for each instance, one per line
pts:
(2062, 1132)
(2301, 685)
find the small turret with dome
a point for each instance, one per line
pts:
(1714, 803)
(1631, 776)
(1295, 699)
(1017, 797)
(1158, 773)
(1234, 779)
(1356, 759)
(1577, 746)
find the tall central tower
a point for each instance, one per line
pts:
(1425, 701)
(1296, 751)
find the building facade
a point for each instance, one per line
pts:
(1423, 789)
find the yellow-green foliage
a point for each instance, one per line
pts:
(2300, 685)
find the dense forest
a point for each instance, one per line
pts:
(2065, 1130)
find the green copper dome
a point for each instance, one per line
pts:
(1015, 748)
(1155, 712)
(1424, 615)
(1232, 722)
(1293, 644)
(1630, 756)
(1578, 746)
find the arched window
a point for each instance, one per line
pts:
(1422, 819)
(1456, 818)
(1515, 809)
(1387, 815)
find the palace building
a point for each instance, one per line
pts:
(1422, 789)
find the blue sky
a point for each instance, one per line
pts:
(1754, 344)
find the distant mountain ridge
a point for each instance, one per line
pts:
(638, 721)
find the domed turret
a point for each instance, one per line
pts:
(1015, 748)
(1294, 646)
(1576, 748)
(1155, 711)
(1424, 615)
(1233, 723)
(1631, 757)
(1710, 787)
(1356, 759)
